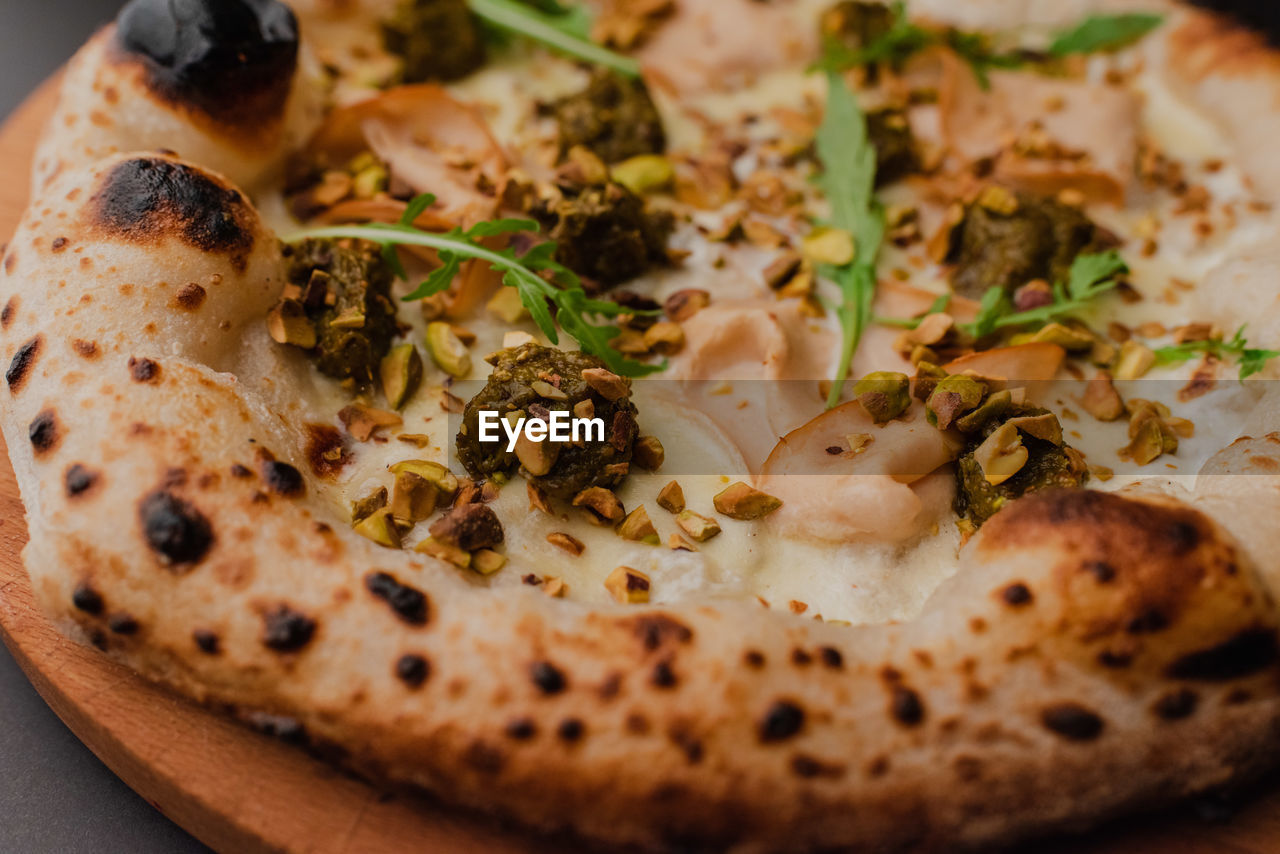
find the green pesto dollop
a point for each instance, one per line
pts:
(614, 117)
(435, 40)
(518, 384)
(348, 297)
(1048, 466)
(896, 152)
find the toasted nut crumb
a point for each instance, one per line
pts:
(288, 324)
(537, 458)
(698, 527)
(645, 173)
(883, 394)
(1102, 473)
(629, 586)
(413, 499)
(607, 384)
(381, 528)
(1101, 400)
(516, 339)
(783, 270)
(569, 543)
(507, 306)
(671, 498)
(538, 498)
(584, 409)
(444, 552)
(439, 476)
(678, 543)
(833, 246)
(742, 502)
(487, 561)
(648, 453)
(1135, 360)
(401, 374)
(469, 527)
(447, 350)
(953, 397)
(363, 421)
(554, 587)
(602, 506)
(1002, 455)
(664, 338)
(367, 506)
(684, 304)
(638, 528)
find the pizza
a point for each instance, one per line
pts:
(684, 424)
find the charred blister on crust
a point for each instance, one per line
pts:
(207, 641)
(1072, 721)
(123, 623)
(23, 360)
(1016, 595)
(286, 630)
(10, 309)
(143, 370)
(147, 199)
(809, 767)
(178, 533)
(521, 729)
(85, 349)
(283, 479)
(286, 729)
(232, 60)
(87, 599)
(44, 432)
(905, 706)
(1176, 705)
(326, 451)
(412, 670)
(571, 730)
(783, 720)
(409, 603)
(79, 480)
(190, 297)
(1247, 653)
(547, 677)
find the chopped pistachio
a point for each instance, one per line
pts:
(1149, 433)
(927, 377)
(833, 246)
(584, 409)
(996, 405)
(698, 527)
(607, 384)
(1134, 361)
(516, 338)
(629, 586)
(664, 338)
(1045, 427)
(998, 200)
(1002, 455)
(444, 552)
(537, 458)
(439, 476)
(381, 528)
(1101, 400)
(1074, 340)
(507, 305)
(783, 270)
(288, 324)
(953, 397)
(363, 421)
(447, 350)
(933, 329)
(487, 561)
(645, 173)
(602, 506)
(401, 374)
(554, 586)
(638, 528)
(567, 542)
(547, 391)
(413, 498)
(858, 442)
(648, 453)
(684, 304)
(370, 181)
(671, 498)
(352, 318)
(678, 543)
(883, 394)
(742, 502)
(370, 504)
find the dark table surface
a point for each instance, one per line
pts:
(55, 796)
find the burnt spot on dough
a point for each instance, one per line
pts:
(146, 199)
(207, 641)
(663, 676)
(78, 480)
(1148, 622)
(484, 757)
(123, 624)
(571, 730)
(1104, 572)
(143, 370)
(286, 729)
(808, 768)
(175, 529)
(85, 349)
(59, 244)
(831, 657)
(409, 603)
(1072, 721)
(801, 657)
(241, 472)
(231, 60)
(521, 729)
(1016, 595)
(412, 670)
(87, 599)
(754, 659)
(189, 297)
(283, 479)
(656, 630)
(1176, 705)
(326, 451)
(10, 309)
(1243, 655)
(44, 432)
(10, 262)
(23, 360)
(548, 678)
(905, 706)
(783, 720)
(286, 630)
(690, 745)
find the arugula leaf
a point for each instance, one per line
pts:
(1104, 32)
(848, 179)
(1091, 276)
(565, 32)
(536, 276)
(1250, 360)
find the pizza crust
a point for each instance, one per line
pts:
(1083, 634)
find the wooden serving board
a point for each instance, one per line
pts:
(238, 791)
